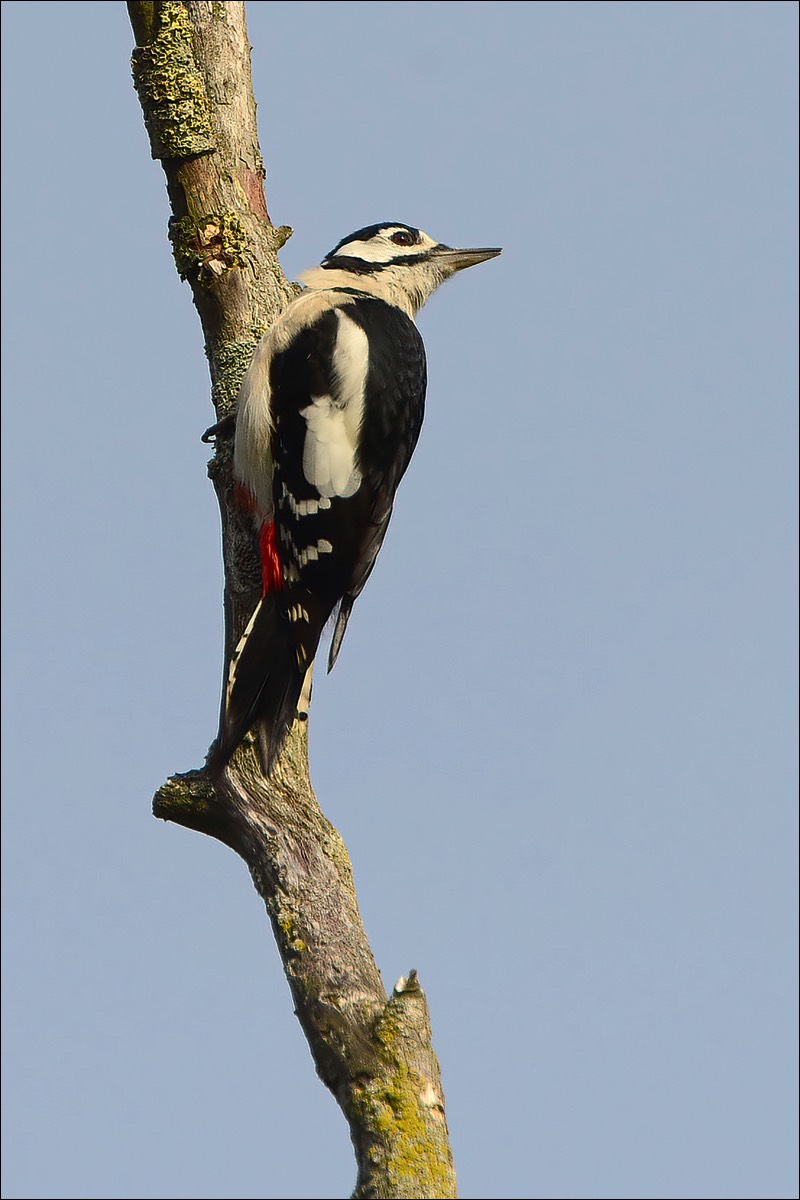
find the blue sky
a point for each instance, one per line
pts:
(559, 741)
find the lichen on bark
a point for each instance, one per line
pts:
(170, 87)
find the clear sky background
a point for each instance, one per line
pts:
(559, 741)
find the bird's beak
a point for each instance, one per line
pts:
(456, 260)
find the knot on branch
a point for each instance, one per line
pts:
(170, 87)
(204, 249)
(280, 236)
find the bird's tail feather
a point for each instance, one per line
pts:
(264, 686)
(342, 617)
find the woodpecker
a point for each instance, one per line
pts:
(328, 416)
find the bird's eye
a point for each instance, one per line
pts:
(403, 238)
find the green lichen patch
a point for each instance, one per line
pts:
(170, 87)
(410, 1153)
(233, 359)
(204, 249)
(292, 942)
(402, 1108)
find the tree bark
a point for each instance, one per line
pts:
(191, 69)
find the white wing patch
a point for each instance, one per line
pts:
(329, 450)
(304, 508)
(312, 553)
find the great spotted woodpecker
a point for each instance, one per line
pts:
(328, 416)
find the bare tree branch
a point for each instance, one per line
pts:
(191, 68)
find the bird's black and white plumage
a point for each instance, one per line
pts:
(328, 416)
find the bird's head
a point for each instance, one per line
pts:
(396, 262)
